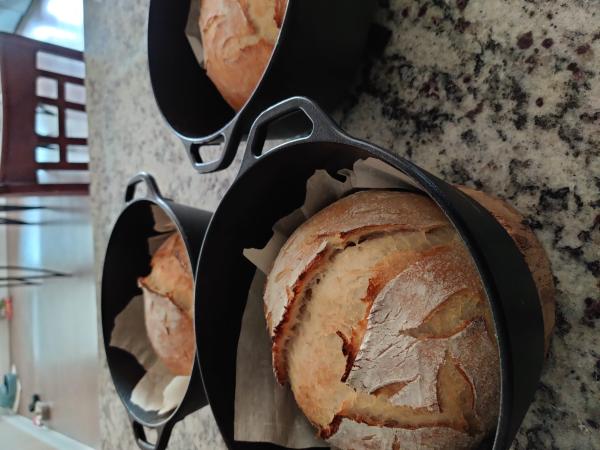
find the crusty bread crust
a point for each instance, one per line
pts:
(380, 324)
(171, 274)
(238, 37)
(329, 231)
(171, 332)
(169, 306)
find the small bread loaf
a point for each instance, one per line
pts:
(238, 37)
(168, 306)
(381, 327)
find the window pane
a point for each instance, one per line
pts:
(46, 87)
(63, 176)
(78, 154)
(75, 93)
(47, 154)
(46, 120)
(76, 124)
(60, 64)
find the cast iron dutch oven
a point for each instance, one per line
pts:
(271, 185)
(318, 51)
(127, 258)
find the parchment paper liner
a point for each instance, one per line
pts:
(192, 31)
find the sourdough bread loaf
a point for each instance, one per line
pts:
(168, 306)
(380, 325)
(238, 37)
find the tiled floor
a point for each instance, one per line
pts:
(53, 337)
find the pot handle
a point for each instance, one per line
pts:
(229, 138)
(143, 177)
(323, 128)
(162, 440)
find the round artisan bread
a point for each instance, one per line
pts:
(381, 327)
(238, 37)
(168, 306)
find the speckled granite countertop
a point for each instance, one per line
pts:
(503, 95)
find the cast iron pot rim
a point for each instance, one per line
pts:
(335, 136)
(163, 204)
(231, 126)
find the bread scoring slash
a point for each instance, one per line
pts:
(380, 325)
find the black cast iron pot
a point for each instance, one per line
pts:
(272, 185)
(318, 51)
(127, 258)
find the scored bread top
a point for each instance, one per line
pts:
(171, 274)
(330, 230)
(238, 38)
(381, 327)
(377, 317)
(171, 332)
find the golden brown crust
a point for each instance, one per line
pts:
(293, 306)
(169, 304)
(387, 337)
(280, 7)
(341, 224)
(382, 325)
(409, 338)
(238, 38)
(531, 248)
(171, 332)
(171, 274)
(382, 275)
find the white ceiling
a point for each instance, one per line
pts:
(11, 12)
(58, 22)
